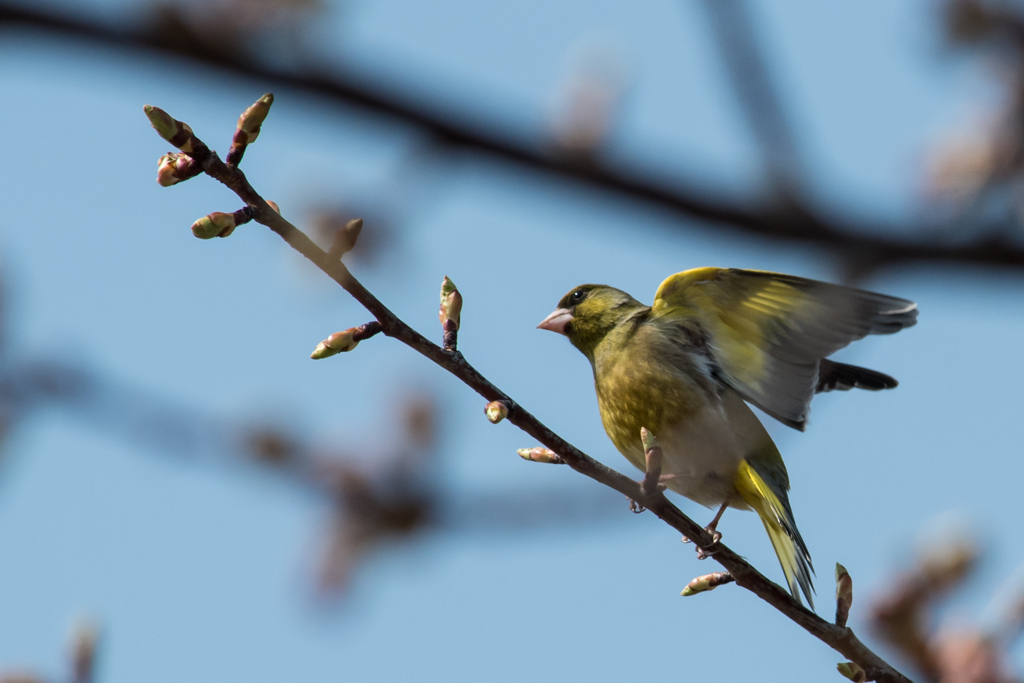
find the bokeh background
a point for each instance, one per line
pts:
(176, 471)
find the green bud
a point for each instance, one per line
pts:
(496, 411)
(339, 342)
(216, 224)
(253, 117)
(164, 124)
(708, 582)
(540, 454)
(451, 304)
(852, 671)
(170, 129)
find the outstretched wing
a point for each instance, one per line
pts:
(768, 332)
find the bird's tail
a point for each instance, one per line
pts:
(771, 503)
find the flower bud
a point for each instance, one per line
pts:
(540, 454)
(253, 117)
(451, 306)
(164, 124)
(273, 205)
(852, 671)
(175, 167)
(339, 342)
(708, 582)
(170, 129)
(216, 224)
(496, 411)
(844, 594)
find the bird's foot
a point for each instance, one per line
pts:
(704, 552)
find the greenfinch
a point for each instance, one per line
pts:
(686, 367)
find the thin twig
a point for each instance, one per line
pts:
(840, 639)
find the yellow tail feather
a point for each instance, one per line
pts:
(772, 506)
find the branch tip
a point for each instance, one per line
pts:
(450, 313)
(170, 129)
(650, 485)
(252, 118)
(844, 595)
(248, 128)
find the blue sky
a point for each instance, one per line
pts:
(201, 573)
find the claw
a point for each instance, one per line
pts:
(704, 552)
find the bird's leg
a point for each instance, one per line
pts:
(650, 485)
(713, 527)
(716, 536)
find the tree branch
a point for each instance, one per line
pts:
(743, 57)
(873, 243)
(840, 639)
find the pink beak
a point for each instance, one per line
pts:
(557, 321)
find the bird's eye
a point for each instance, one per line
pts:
(578, 296)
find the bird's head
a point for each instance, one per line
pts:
(588, 313)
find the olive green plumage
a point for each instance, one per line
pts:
(714, 340)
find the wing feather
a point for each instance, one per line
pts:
(769, 332)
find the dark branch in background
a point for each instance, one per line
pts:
(873, 244)
(744, 59)
(866, 664)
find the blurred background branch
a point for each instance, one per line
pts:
(784, 215)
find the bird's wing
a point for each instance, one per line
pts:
(768, 332)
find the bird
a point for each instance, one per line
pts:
(687, 368)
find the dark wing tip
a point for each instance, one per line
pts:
(843, 377)
(899, 314)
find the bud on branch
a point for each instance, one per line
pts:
(541, 454)
(346, 340)
(852, 671)
(652, 454)
(174, 167)
(708, 582)
(496, 411)
(844, 595)
(450, 313)
(172, 130)
(248, 129)
(220, 224)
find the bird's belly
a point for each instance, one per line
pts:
(701, 454)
